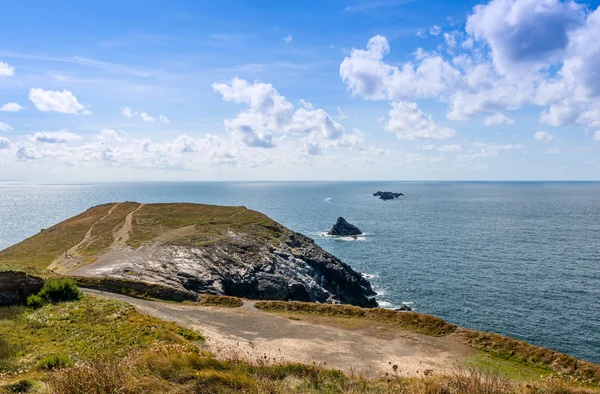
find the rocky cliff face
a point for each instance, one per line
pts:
(288, 267)
(15, 287)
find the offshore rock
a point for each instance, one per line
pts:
(387, 195)
(344, 229)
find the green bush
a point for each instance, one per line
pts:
(54, 361)
(58, 290)
(35, 301)
(54, 291)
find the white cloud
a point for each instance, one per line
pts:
(435, 30)
(4, 143)
(443, 148)
(543, 136)
(553, 151)
(11, 107)
(110, 135)
(287, 38)
(54, 137)
(6, 70)
(491, 150)
(410, 123)
(269, 114)
(164, 119)
(450, 39)
(597, 136)
(27, 153)
(341, 113)
(147, 118)
(64, 102)
(497, 119)
(127, 112)
(525, 33)
(5, 127)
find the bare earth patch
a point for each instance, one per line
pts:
(365, 348)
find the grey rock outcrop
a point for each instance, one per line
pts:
(288, 267)
(387, 195)
(344, 229)
(15, 287)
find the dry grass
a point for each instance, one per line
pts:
(134, 288)
(102, 231)
(36, 253)
(417, 322)
(222, 301)
(184, 369)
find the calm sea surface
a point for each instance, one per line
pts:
(521, 259)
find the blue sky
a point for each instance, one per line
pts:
(271, 90)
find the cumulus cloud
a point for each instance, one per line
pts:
(269, 114)
(513, 53)
(287, 38)
(127, 112)
(164, 119)
(435, 30)
(110, 135)
(64, 102)
(5, 127)
(597, 136)
(4, 143)
(543, 136)
(11, 107)
(525, 33)
(55, 137)
(497, 119)
(6, 70)
(410, 123)
(25, 153)
(147, 118)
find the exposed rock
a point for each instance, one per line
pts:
(344, 229)
(404, 308)
(277, 265)
(15, 287)
(387, 195)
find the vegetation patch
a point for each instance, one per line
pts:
(523, 352)
(102, 231)
(222, 301)
(36, 253)
(55, 290)
(417, 322)
(83, 330)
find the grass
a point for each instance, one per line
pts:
(182, 369)
(417, 322)
(137, 289)
(222, 301)
(36, 253)
(83, 330)
(197, 224)
(55, 290)
(102, 231)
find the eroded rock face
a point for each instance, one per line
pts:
(344, 229)
(290, 267)
(15, 287)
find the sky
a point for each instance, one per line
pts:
(300, 90)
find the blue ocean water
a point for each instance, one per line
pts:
(518, 258)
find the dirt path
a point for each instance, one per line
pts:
(72, 255)
(121, 236)
(251, 333)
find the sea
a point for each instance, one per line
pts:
(517, 258)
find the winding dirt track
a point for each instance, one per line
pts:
(251, 333)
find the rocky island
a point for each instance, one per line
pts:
(387, 195)
(194, 249)
(344, 229)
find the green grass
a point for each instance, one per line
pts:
(417, 322)
(36, 253)
(222, 301)
(198, 224)
(83, 330)
(506, 368)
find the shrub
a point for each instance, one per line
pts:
(58, 290)
(54, 361)
(35, 301)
